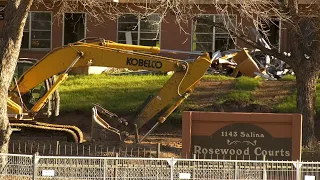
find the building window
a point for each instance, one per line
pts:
(139, 30)
(74, 27)
(37, 31)
(272, 30)
(207, 38)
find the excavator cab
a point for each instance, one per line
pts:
(51, 108)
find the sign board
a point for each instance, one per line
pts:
(184, 175)
(47, 172)
(215, 135)
(307, 177)
(244, 140)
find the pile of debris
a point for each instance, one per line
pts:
(250, 63)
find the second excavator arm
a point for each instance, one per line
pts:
(170, 96)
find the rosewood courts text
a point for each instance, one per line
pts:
(258, 151)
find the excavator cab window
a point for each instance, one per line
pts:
(36, 93)
(31, 98)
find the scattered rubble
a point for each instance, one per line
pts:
(250, 63)
(235, 63)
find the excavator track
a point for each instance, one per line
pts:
(72, 131)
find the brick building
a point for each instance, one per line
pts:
(43, 33)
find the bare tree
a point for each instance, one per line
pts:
(301, 22)
(16, 12)
(302, 25)
(15, 17)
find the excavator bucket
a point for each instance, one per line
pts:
(245, 64)
(98, 123)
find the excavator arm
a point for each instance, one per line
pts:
(109, 54)
(61, 59)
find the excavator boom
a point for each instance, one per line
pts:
(61, 58)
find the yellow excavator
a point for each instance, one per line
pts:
(100, 52)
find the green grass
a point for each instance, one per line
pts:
(288, 78)
(124, 94)
(115, 93)
(217, 77)
(247, 83)
(318, 98)
(292, 78)
(243, 88)
(290, 103)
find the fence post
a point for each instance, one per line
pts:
(104, 168)
(298, 165)
(57, 148)
(116, 167)
(193, 167)
(35, 159)
(235, 170)
(171, 169)
(264, 168)
(171, 162)
(158, 150)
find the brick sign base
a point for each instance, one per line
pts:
(228, 135)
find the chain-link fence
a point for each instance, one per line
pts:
(51, 148)
(15, 166)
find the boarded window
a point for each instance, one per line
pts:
(272, 30)
(74, 27)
